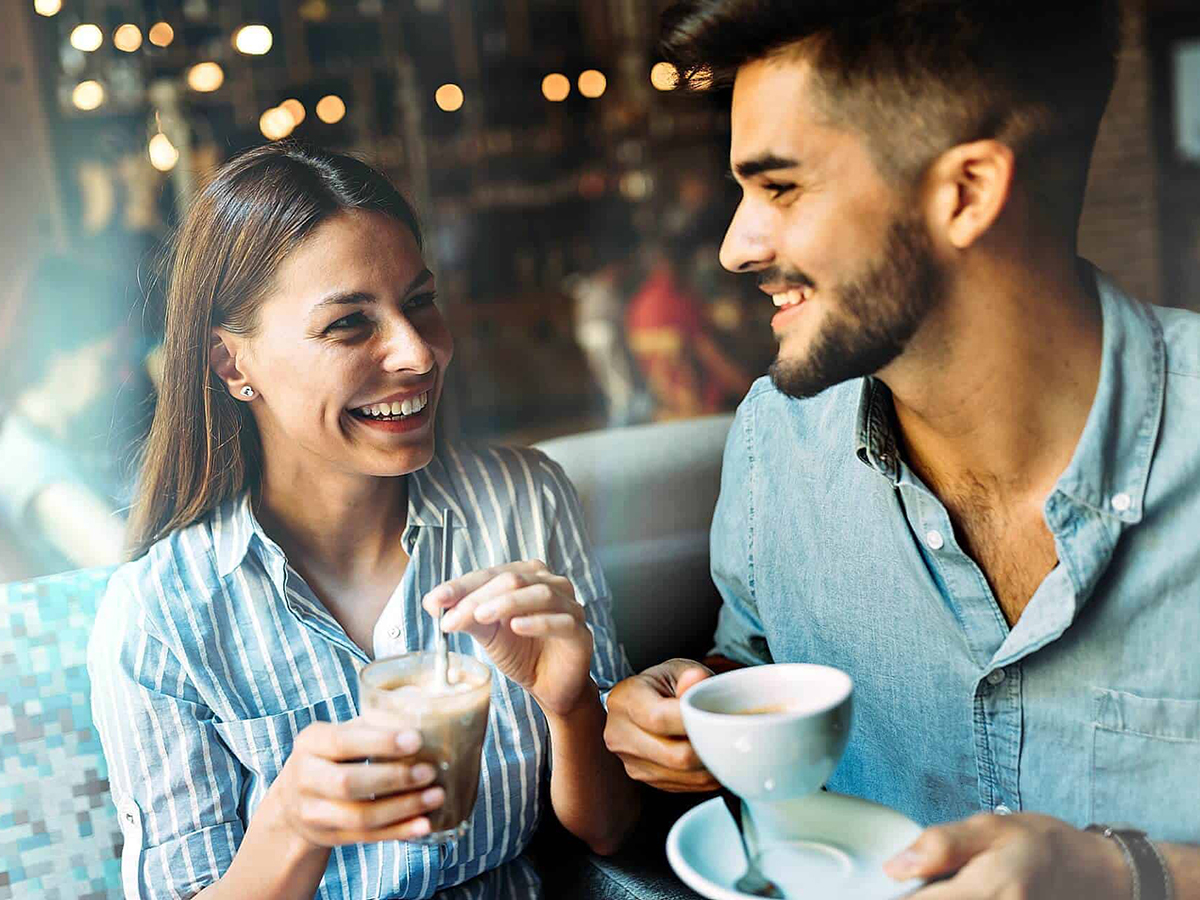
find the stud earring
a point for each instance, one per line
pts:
(247, 392)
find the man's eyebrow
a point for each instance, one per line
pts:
(345, 298)
(765, 163)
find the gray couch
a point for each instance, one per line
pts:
(648, 494)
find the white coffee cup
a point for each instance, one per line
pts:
(772, 734)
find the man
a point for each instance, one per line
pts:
(972, 480)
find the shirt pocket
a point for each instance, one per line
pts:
(1145, 756)
(263, 744)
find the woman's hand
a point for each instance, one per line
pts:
(530, 624)
(328, 796)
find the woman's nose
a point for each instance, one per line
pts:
(746, 248)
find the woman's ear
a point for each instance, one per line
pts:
(223, 350)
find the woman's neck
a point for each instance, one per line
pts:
(345, 528)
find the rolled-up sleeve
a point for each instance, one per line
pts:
(570, 554)
(740, 635)
(176, 786)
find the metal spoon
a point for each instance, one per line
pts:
(441, 663)
(753, 882)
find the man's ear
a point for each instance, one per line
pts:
(971, 184)
(222, 358)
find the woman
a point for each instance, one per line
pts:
(287, 531)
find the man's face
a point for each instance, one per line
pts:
(845, 257)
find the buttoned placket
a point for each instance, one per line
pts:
(996, 704)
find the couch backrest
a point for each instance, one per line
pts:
(648, 494)
(59, 838)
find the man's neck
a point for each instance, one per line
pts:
(995, 395)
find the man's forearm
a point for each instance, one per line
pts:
(591, 794)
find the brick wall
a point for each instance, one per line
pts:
(1120, 226)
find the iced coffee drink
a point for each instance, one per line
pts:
(403, 692)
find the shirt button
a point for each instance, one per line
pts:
(935, 540)
(995, 677)
(1121, 502)
(1003, 810)
(393, 632)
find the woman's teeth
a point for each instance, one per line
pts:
(792, 297)
(400, 408)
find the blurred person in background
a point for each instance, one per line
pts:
(78, 397)
(287, 530)
(600, 296)
(669, 332)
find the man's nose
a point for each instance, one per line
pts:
(406, 349)
(746, 247)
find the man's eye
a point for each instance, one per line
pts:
(354, 320)
(776, 189)
(421, 300)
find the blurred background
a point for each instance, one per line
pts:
(572, 203)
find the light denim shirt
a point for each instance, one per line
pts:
(210, 654)
(827, 548)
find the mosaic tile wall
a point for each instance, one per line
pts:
(59, 838)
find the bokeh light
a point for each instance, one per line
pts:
(87, 37)
(161, 34)
(47, 7)
(163, 154)
(330, 109)
(592, 83)
(253, 40)
(128, 37)
(664, 76)
(449, 97)
(205, 77)
(88, 95)
(295, 109)
(556, 87)
(276, 123)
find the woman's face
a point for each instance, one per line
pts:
(350, 353)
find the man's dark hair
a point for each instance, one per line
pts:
(917, 77)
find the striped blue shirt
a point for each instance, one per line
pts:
(210, 654)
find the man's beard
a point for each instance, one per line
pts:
(876, 316)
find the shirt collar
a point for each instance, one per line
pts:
(236, 529)
(876, 439)
(1111, 464)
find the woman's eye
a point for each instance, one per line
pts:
(353, 320)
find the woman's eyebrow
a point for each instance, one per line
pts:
(345, 298)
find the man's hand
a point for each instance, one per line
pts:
(645, 727)
(1026, 856)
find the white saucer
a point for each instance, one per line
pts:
(849, 840)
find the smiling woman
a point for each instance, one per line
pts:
(287, 531)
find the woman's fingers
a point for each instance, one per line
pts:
(546, 625)
(356, 740)
(323, 814)
(452, 592)
(362, 781)
(543, 597)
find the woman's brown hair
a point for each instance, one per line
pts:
(203, 446)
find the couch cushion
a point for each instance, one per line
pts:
(59, 838)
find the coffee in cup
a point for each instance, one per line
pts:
(403, 692)
(772, 734)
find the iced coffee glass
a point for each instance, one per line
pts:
(402, 692)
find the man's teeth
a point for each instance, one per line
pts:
(398, 408)
(792, 297)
